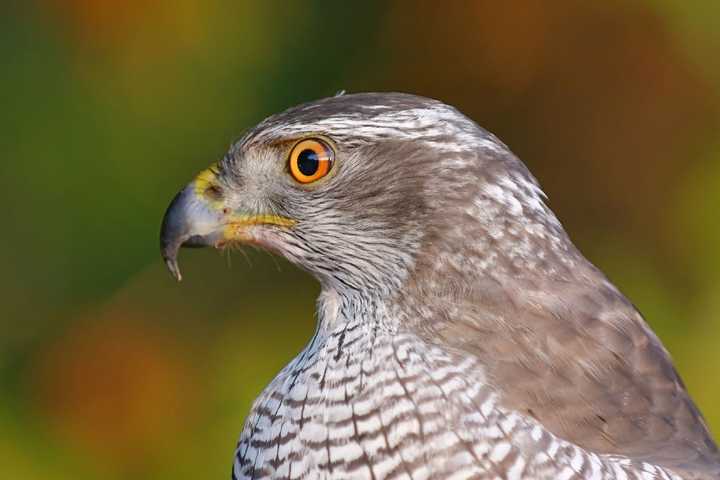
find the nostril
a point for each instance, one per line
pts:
(213, 192)
(226, 211)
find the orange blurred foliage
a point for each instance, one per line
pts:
(130, 27)
(116, 386)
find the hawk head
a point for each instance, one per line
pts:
(362, 189)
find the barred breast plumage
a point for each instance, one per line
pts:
(382, 405)
(460, 333)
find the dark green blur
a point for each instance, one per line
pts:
(109, 369)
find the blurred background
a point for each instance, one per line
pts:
(109, 369)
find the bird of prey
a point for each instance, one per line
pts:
(460, 333)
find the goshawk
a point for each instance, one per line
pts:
(460, 333)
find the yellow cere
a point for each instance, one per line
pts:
(204, 180)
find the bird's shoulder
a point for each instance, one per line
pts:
(579, 358)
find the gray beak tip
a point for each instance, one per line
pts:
(174, 268)
(173, 232)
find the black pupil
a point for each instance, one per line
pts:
(308, 162)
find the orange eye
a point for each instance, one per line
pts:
(310, 160)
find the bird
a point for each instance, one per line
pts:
(460, 333)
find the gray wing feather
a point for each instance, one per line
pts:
(581, 360)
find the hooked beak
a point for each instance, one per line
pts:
(192, 220)
(188, 222)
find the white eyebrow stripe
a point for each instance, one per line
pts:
(427, 124)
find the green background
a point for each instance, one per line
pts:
(109, 369)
